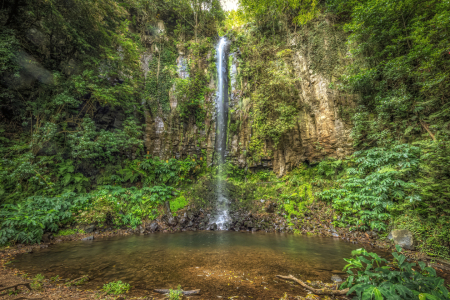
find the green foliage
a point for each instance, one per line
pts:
(65, 232)
(192, 91)
(273, 117)
(198, 18)
(330, 167)
(295, 11)
(234, 172)
(116, 287)
(434, 181)
(69, 180)
(263, 175)
(400, 68)
(156, 171)
(296, 203)
(376, 278)
(37, 282)
(234, 19)
(431, 236)
(379, 179)
(26, 222)
(176, 294)
(160, 79)
(90, 143)
(73, 92)
(429, 220)
(123, 206)
(178, 203)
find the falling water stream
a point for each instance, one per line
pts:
(221, 138)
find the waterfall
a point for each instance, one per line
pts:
(182, 67)
(221, 136)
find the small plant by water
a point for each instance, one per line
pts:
(116, 287)
(378, 279)
(37, 282)
(176, 294)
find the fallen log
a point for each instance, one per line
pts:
(315, 291)
(186, 293)
(27, 285)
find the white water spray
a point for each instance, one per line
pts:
(221, 137)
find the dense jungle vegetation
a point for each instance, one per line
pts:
(394, 55)
(66, 65)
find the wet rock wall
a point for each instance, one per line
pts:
(321, 130)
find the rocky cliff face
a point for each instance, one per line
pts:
(321, 130)
(167, 135)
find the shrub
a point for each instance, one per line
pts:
(380, 178)
(116, 287)
(175, 294)
(26, 222)
(37, 282)
(178, 203)
(378, 279)
(123, 206)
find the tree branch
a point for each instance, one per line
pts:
(315, 291)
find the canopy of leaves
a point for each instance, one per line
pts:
(400, 69)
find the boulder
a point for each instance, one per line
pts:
(153, 227)
(271, 207)
(373, 234)
(89, 238)
(172, 221)
(336, 279)
(89, 228)
(390, 237)
(47, 237)
(403, 238)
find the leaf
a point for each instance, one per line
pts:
(368, 293)
(66, 179)
(401, 259)
(424, 296)
(377, 294)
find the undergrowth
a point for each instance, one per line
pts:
(116, 287)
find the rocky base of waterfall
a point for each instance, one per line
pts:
(203, 219)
